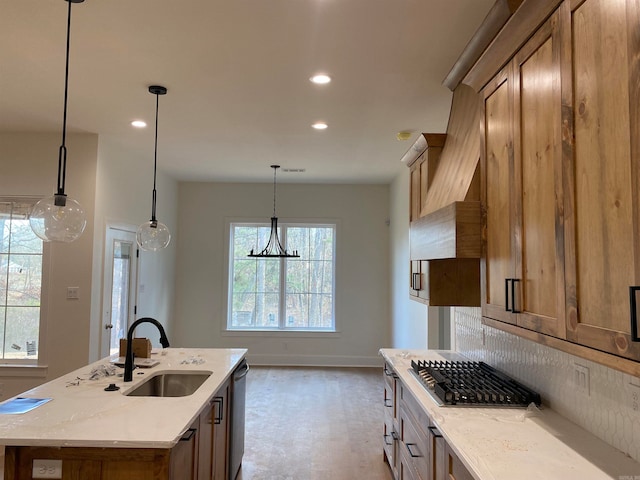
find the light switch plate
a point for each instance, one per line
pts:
(47, 469)
(73, 293)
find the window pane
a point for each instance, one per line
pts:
(21, 336)
(298, 239)
(2, 317)
(267, 310)
(255, 283)
(25, 275)
(297, 276)
(244, 275)
(243, 310)
(14, 222)
(297, 310)
(20, 282)
(244, 239)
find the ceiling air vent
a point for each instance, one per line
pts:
(294, 170)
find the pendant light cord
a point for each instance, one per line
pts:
(62, 154)
(155, 163)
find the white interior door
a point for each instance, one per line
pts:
(120, 287)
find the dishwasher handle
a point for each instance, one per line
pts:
(241, 372)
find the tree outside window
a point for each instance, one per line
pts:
(282, 293)
(21, 253)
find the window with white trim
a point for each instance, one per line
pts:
(21, 278)
(282, 293)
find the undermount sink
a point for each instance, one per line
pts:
(173, 384)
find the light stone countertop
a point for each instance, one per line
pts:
(508, 443)
(82, 414)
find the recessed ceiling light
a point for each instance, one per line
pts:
(138, 124)
(320, 79)
(319, 125)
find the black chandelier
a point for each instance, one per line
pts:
(274, 247)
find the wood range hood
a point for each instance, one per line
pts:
(445, 213)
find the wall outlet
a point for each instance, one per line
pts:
(47, 469)
(581, 378)
(634, 392)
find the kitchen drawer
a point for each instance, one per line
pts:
(454, 468)
(390, 443)
(414, 445)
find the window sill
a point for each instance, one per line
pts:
(14, 370)
(282, 333)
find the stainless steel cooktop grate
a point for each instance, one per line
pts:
(466, 383)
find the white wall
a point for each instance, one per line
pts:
(408, 317)
(362, 269)
(106, 181)
(123, 196)
(29, 167)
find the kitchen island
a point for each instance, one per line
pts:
(85, 431)
(485, 443)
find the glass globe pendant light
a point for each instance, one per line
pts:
(60, 218)
(154, 235)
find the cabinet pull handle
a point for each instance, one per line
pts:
(435, 432)
(513, 294)
(394, 435)
(188, 435)
(634, 313)
(416, 282)
(387, 372)
(219, 401)
(388, 402)
(385, 440)
(506, 294)
(413, 455)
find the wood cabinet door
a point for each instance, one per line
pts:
(184, 456)
(537, 295)
(415, 189)
(221, 413)
(497, 265)
(523, 271)
(205, 444)
(603, 210)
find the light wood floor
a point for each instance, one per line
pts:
(314, 424)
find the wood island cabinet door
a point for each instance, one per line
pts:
(603, 210)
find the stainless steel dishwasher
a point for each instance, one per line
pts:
(236, 440)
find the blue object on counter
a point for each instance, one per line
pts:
(22, 405)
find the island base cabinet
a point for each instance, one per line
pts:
(94, 463)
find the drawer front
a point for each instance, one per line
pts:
(390, 442)
(455, 469)
(415, 445)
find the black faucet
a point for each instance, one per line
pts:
(128, 362)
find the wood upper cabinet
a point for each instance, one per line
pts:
(523, 262)
(422, 172)
(603, 169)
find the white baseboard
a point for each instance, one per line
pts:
(314, 360)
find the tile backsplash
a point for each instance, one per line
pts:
(610, 409)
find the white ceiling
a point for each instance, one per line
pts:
(237, 73)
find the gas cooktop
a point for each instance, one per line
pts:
(471, 384)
